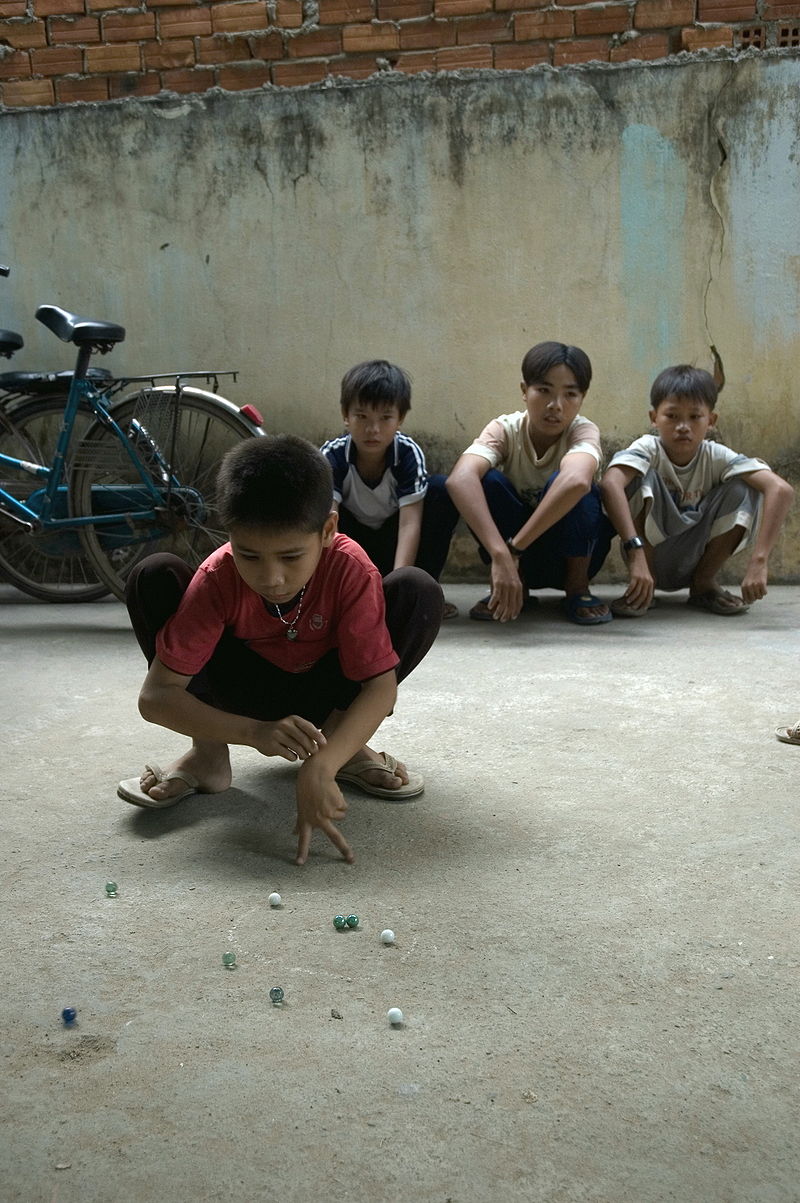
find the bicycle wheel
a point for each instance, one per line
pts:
(179, 441)
(48, 565)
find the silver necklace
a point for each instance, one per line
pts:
(291, 632)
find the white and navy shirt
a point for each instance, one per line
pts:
(404, 481)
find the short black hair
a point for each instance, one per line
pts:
(278, 481)
(376, 382)
(544, 356)
(684, 381)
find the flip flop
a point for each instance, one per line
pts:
(354, 775)
(450, 611)
(582, 601)
(788, 735)
(131, 790)
(620, 609)
(710, 601)
(481, 612)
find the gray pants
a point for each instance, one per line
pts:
(679, 537)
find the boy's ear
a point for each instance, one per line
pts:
(330, 528)
(712, 418)
(523, 387)
(653, 416)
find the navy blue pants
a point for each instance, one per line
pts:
(584, 531)
(439, 517)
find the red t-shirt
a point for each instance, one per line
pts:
(343, 607)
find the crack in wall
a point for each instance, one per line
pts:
(719, 243)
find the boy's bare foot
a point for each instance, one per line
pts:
(211, 770)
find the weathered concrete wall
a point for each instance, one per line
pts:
(645, 213)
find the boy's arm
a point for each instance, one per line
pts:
(464, 486)
(319, 799)
(575, 474)
(409, 525)
(640, 579)
(777, 494)
(164, 700)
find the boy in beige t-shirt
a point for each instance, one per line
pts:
(526, 489)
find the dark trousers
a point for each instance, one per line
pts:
(584, 531)
(439, 517)
(240, 681)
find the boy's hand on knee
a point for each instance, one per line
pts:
(293, 738)
(320, 803)
(640, 584)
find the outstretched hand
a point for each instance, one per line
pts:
(321, 804)
(507, 594)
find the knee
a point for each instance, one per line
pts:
(412, 589)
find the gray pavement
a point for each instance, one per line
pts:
(595, 904)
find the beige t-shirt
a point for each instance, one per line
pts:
(507, 445)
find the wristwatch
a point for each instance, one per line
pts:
(515, 551)
(633, 543)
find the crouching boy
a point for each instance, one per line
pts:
(285, 640)
(683, 505)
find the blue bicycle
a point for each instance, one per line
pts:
(91, 485)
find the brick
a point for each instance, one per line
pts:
(59, 8)
(125, 56)
(15, 65)
(404, 10)
(289, 14)
(218, 49)
(520, 55)
(705, 39)
(461, 8)
(14, 8)
(73, 29)
(726, 10)
(473, 30)
(177, 52)
(185, 23)
(529, 27)
(663, 14)
(93, 6)
(611, 18)
(411, 64)
(346, 12)
(458, 58)
(166, 4)
(238, 18)
(57, 60)
(317, 43)
(358, 67)
(294, 75)
(25, 35)
(129, 27)
(424, 35)
(198, 80)
(70, 90)
(517, 5)
(267, 47)
(242, 77)
(134, 84)
(781, 12)
(648, 46)
(378, 35)
(28, 91)
(583, 50)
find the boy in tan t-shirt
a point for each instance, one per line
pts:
(526, 489)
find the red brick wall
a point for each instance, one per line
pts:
(59, 51)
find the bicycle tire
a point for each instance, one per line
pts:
(47, 565)
(104, 481)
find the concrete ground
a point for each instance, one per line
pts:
(595, 904)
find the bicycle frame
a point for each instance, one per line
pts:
(83, 390)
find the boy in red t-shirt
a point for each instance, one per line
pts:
(285, 640)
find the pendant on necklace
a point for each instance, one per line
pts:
(291, 634)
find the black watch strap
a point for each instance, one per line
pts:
(515, 551)
(632, 543)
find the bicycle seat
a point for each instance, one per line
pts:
(10, 342)
(83, 331)
(40, 384)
